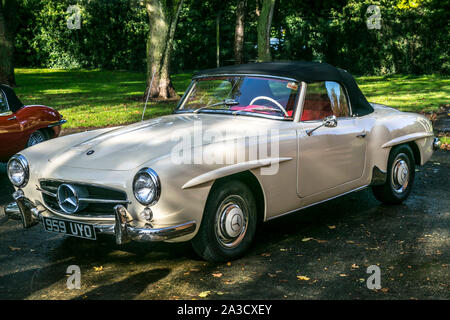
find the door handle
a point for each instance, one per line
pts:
(12, 118)
(362, 135)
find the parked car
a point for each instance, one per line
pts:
(203, 174)
(23, 126)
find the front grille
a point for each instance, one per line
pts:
(96, 195)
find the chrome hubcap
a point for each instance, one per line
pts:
(231, 221)
(400, 173)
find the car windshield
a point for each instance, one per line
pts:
(242, 95)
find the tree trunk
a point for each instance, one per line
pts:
(7, 30)
(239, 33)
(163, 17)
(264, 24)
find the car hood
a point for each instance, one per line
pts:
(132, 146)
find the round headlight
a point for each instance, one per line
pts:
(146, 187)
(18, 170)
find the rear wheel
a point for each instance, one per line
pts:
(37, 137)
(400, 176)
(229, 223)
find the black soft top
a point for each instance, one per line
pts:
(301, 71)
(13, 101)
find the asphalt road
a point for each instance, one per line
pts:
(329, 246)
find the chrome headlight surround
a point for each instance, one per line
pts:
(20, 160)
(147, 178)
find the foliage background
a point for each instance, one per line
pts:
(413, 39)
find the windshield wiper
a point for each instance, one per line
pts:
(226, 102)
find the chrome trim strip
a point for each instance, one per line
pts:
(301, 102)
(319, 202)
(91, 200)
(56, 124)
(241, 113)
(46, 192)
(407, 138)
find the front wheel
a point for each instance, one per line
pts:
(400, 176)
(229, 223)
(37, 137)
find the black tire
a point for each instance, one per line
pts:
(396, 189)
(234, 204)
(37, 137)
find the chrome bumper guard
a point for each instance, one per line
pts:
(436, 144)
(124, 229)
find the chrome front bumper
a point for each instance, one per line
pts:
(436, 144)
(124, 228)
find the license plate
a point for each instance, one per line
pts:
(70, 228)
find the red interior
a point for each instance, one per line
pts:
(316, 109)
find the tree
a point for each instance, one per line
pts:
(264, 24)
(8, 10)
(163, 17)
(239, 32)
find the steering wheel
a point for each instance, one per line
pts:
(271, 100)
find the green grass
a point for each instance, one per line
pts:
(98, 98)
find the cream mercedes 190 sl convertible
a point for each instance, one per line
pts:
(246, 144)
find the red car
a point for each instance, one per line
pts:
(23, 126)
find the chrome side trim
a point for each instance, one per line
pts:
(407, 138)
(56, 124)
(319, 202)
(232, 169)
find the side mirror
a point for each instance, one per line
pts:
(329, 122)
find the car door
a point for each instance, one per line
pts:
(330, 156)
(9, 129)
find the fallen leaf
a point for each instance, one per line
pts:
(355, 266)
(272, 275)
(98, 269)
(266, 254)
(385, 290)
(229, 264)
(283, 249)
(343, 275)
(331, 227)
(306, 239)
(15, 249)
(217, 275)
(204, 294)
(304, 278)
